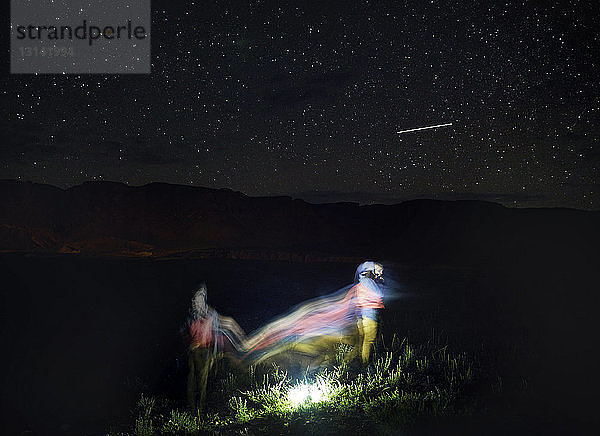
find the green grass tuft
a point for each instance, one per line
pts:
(404, 384)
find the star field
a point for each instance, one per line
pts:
(305, 99)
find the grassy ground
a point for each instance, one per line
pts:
(404, 385)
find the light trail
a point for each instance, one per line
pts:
(425, 128)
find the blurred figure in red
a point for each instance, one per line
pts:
(210, 334)
(347, 316)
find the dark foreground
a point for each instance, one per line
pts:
(84, 337)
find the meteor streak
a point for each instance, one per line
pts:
(425, 128)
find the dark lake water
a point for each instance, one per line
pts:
(83, 337)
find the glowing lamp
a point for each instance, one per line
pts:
(307, 393)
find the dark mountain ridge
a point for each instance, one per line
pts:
(158, 220)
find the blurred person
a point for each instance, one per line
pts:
(369, 300)
(314, 327)
(210, 335)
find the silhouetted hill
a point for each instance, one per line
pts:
(113, 219)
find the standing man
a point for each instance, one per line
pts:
(369, 300)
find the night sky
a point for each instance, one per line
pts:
(306, 99)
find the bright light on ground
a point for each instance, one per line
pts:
(308, 393)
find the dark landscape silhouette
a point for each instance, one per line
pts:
(162, 220)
